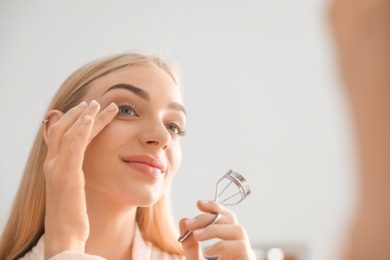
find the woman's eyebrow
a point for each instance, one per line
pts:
(178, 107)
(144, 95)
(139, 92)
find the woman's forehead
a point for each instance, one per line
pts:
(147, 78)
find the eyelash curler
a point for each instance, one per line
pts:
(227, 194)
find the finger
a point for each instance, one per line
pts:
(71, 138)
(59, 128)
(103, 119)
(69, 161)
(201, 221)
(212, 206)
(191, 247)
(238, 249)
(80, 140)
(221, 231)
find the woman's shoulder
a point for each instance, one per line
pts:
(37, 252)
(143, 249)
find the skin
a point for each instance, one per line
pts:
(361, 33)
(90, 184)
(234, 243)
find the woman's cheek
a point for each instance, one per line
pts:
(121, 130)
(176, 157)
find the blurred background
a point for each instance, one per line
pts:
(260, 86)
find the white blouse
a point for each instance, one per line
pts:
(142, 250)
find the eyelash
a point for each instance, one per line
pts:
(127, 105)
(180, 129)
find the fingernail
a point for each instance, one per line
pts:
(93, 104)
(111, 107)
(198, 232)
(87, 119)
(204, 201)
(190, 221)
(82, 104)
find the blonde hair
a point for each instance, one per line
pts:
(26, 221)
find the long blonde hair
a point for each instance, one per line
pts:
(26, 221)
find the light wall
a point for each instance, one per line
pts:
(260, 87)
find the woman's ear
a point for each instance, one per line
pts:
(50, 119)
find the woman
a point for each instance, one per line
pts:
(96, 184)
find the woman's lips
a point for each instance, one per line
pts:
(147, 165)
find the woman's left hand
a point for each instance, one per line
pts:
(233, 241)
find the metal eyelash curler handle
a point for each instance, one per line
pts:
(227, 195)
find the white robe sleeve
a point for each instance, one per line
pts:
(37, 253)
(142, 250)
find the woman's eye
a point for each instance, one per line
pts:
(127, 110)
(175, 129)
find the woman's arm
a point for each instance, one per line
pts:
(361, 31)
(67, 136)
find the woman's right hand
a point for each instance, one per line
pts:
(233, 241)
(67, 137)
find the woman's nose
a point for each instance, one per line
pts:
(157, 136)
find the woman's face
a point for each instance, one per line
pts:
(133, 159)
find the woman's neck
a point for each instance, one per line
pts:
(112, 226)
